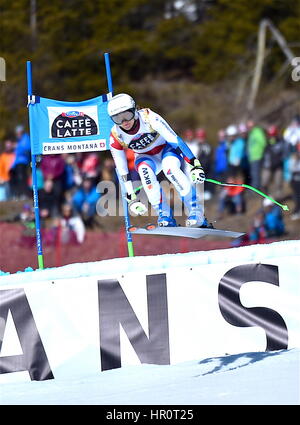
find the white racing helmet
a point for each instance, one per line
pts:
(121, 103)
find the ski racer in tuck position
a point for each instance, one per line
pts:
(156, 147)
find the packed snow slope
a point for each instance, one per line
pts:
(222, 373)
(266, 378)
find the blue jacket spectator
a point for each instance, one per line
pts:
(19, 172)
(273, 220)
(23, 148)
(221, 162)
(85, 199)
(268, 223)
(237, 149)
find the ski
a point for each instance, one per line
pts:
(186, 232)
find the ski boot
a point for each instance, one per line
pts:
(194, 220)
(166, 220)
(206, 224)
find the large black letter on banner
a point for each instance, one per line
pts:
(115, 309)
(236, 314)
(34, 358)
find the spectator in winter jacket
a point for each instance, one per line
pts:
(53, 168)
(257, 233)
(202, 149)
(48, 201)
(91, 165)
(72, 173)
(292, 132)
(19, 168)
(236, 150)
(221, 162)
(291, 136)
(71, 227)
(267, 223)
(256, 144)
(6, 161)
(243, 134)
(272, 164)
(273, 220)
(85, 200)
(232, 197)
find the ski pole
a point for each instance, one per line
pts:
(125, 205)
(284, 207)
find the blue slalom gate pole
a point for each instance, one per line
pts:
(34, 177)
(124, 202)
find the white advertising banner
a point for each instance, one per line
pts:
(68, 327)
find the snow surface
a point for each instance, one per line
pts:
(246, 378)
(262, 378)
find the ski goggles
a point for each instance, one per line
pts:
(123, 116)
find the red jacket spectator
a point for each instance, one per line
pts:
(90, 165)
(52, 166)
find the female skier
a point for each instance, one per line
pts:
(156, 147)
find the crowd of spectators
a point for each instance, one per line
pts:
(66, 183)
(265, 157)
(268, 158)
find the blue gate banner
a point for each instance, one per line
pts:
(63, 127)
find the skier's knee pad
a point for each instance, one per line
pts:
(171, 169)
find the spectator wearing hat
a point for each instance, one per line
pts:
(273, 219)
(6, 161)
(188, 136)
(191, 140)
(19, 168)
(272, 164)
(237, 150)
(292, 132)
(291, 136)
(256, 144)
